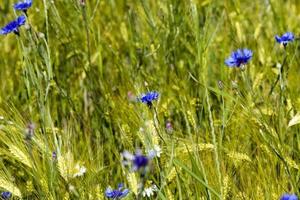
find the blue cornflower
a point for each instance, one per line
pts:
(140, 161)
(13, 26)
(116, 194)
(289, 197)
(149, 97)
(239, 58)
(285, 38)
(6, 195)
(137, 160)
(23, 5)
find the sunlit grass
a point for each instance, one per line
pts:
(76, 71)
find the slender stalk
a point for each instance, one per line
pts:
(156, 124)
(87, 32)
(212, 129)
(278, 76)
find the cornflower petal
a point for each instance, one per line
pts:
(285, 38)
(23, 5)
(149, 97)
(239, 57)
(13, 26)
(289, 197)
(116, 194)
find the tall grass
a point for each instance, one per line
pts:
(75, 72)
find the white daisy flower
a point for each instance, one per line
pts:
(155, 152)
(150, 191)
(79, 171)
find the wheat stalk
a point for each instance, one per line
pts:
(20, 155)
(9, 186)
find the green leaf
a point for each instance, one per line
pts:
(189, 171)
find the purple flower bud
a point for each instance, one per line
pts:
(30, 131)
(82, 2)
(169, 127)
(54, 155)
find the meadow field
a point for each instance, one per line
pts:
(173, 99)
